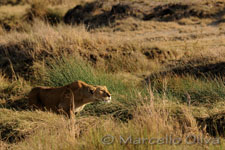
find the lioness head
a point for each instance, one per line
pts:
(102, 93)
(98, 93)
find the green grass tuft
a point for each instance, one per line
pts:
(187, 88)
(63, 71)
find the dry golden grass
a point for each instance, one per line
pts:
(43, 130)
(121, 55)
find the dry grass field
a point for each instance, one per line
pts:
(162, 60)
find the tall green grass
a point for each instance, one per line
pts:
(188, 88)
(62, 71)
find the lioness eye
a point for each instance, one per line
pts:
(91, 91)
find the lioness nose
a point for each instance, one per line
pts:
(108, 94)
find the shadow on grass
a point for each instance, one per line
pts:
(217, 22)
(19, 104)
(208, 70)
(177, 11)
(14, 58)
(214, 124)
(118, 112)
(93, 15)
(10, 135)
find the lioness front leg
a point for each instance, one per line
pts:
(66, 105)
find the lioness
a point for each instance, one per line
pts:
(69, 98)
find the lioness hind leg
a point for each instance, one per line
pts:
(66, 105)
(33, 97)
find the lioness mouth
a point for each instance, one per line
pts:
(108, 99)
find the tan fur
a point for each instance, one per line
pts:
(67, 99)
